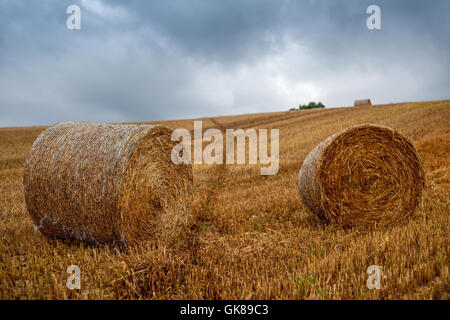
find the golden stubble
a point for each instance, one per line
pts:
(251, 236)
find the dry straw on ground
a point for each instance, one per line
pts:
(365, 175)
(107, 184)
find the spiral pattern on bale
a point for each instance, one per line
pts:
(366, 175)
(107, 184)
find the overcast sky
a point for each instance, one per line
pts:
(155, 60)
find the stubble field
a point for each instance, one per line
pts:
(252, 237)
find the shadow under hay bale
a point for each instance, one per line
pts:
(366, 175)
(107, 184)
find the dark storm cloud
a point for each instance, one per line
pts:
(150, 60)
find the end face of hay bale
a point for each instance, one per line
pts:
(156, 194)
(91, 182)
(362, 102)
(363, 176)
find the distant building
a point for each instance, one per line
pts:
(362, 102)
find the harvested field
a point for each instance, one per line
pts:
(252, 236)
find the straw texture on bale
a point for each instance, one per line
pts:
(107, 184)
(367, 175)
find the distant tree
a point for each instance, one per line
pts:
(311, 105)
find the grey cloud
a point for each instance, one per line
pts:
(151, 60)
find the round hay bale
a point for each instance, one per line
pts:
(366, 175)
(107, 184)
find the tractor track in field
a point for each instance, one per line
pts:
(205, 212)
(217, 183)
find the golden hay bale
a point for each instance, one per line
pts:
(362, 102)
(107, 184)
(366, 175)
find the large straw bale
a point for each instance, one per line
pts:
(366, 175)
(107, 184)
